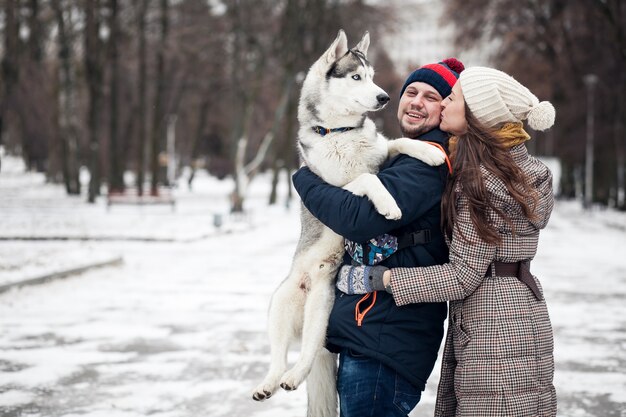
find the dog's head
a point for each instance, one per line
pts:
(344, 78)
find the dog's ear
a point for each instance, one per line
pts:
(364, 43)
(338, 48)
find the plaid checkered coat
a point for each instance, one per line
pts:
(498, 355)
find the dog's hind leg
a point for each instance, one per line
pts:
(284, 321)
(319, 302)
(321, 386)
(322, 260)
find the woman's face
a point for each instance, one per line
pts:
(453, 112)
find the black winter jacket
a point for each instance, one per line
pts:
(405, 338)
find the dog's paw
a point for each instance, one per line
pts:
(291, 380)
(288, 387)
(417, 149)
(389, 209)
(260, 396)
(394, 214)
(263, 392)
(432, 155)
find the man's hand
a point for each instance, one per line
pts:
(361, 279)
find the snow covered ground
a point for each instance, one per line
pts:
(178, 329)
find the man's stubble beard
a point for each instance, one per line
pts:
(416, 131)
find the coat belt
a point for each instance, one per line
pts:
(520, 269)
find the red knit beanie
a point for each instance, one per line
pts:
(442, 76)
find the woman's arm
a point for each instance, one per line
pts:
(452, 281)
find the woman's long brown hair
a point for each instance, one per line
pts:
(480, 147)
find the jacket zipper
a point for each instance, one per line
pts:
(360, 315)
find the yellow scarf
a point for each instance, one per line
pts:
(510, 134)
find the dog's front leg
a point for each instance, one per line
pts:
(369, 185)
(416, 149)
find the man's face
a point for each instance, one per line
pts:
(419, 109)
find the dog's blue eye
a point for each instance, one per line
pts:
(356, 77)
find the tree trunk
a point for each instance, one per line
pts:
(244, 173)
(35, 117)
(292, 48)
(93, 71)
(613, 14)
(158, 118)
(116, 169)
(34, 38)
(620, 142)
(141, 78)
(10, 62)
(247, 63)
(197, 138)
(67, 109)
(283, 148)
(240, 176)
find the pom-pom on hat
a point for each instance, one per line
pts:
(495, 98)
(441, 76)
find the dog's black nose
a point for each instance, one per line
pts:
(382, 99)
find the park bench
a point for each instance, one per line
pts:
(130, 196)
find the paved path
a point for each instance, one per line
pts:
(178, 330)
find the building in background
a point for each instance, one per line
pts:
(421, 36)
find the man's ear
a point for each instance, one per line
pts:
(337, 49)
(364, 43)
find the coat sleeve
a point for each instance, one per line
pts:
(415, 186)
(452, 281)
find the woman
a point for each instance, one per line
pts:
(498, 356)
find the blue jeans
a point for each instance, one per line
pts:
(368, 388)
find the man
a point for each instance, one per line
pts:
(386, 353)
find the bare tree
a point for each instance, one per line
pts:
(201, 70)
(614, 13)
(248, 56)
(67, 100)
(36, 121)
(141, 92)
(568, 40)
(116, 170)
(10, 63)
(158, 120)
(290, 51)
(94, 76)
(229, 77)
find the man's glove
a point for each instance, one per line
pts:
(361, 279)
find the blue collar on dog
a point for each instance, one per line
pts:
(322, 131)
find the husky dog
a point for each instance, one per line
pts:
(340, 144)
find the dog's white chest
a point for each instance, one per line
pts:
(340, 158)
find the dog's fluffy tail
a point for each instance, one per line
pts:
(321, 386)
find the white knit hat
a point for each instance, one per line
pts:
(495, 97)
